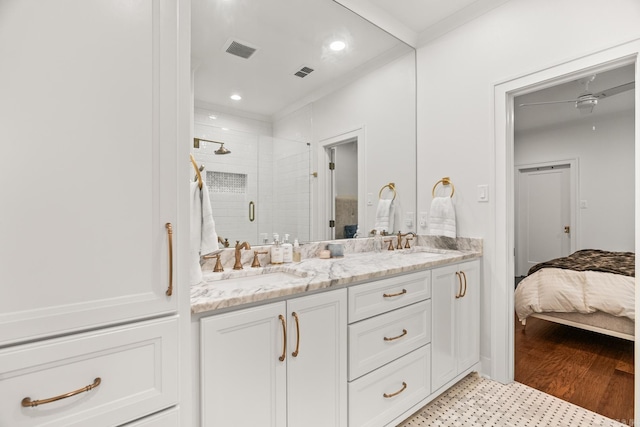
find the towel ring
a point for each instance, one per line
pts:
(391, 186)
(443, 181)
(195, 166)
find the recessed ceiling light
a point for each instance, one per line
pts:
(212, 117)
(225, 128)
(236, 97)
(337, 45)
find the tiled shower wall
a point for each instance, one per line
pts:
(272, 173)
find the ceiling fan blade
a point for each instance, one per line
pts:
(615, 90)
(548, 102)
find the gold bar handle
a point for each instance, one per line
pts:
(404, 332)
(459, 293)
(295, 353)
(284, 334)
(465, 284)
(252, 211)
(404, 386)
(28, 403)
(170, 236)
(404, 291)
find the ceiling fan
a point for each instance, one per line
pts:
(587, 99)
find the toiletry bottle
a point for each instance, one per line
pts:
(287, 250)
(377, 241)
(297, 254)
(276, 250)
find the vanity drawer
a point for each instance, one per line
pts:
(377, 398)
(137, 367)
(378, 297)
(381, 339)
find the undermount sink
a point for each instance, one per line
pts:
(424, 250)
(265, 279)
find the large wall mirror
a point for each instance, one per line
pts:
(281, 86)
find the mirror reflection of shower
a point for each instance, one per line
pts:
(221, 150)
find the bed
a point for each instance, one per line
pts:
(590, 289)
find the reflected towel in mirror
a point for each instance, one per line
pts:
(203, 238)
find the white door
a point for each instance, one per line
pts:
(317, 360)
(88, 168)
(243, 368)
(543, 215)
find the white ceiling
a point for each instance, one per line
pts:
(294, 33)
(537, 116)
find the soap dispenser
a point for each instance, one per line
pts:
(287, 250)
(276, 251)
(297, 254)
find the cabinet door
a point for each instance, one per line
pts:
(87, 163)
(243, 380)
(468, 316)
(445, 286)
(317, 373)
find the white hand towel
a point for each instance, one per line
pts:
(203, 238)
(442, 217)
(384, 215)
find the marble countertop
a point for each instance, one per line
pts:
(239, 287)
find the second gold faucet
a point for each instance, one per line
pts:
(239, 246)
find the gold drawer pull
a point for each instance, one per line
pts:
(170, 235)
(465, 284)
(459, 293)
(404, 332)
(404, 386)
(295, 353)
(284, 334)
(28, 403)
(404, 291)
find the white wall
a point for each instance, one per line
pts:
(456, 78)
(605, 173)
(382, 101)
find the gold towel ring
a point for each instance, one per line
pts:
(195, 166)
(391, 186)
(444, 181)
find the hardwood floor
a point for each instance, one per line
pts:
(585, 368)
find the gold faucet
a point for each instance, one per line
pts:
(400, 236)
(224, 242)
(256, 261)
(239, 246)
(218, 268)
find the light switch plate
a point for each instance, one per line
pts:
(483, 193)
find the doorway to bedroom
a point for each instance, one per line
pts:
(574, 189)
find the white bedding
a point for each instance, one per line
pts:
(568, 291)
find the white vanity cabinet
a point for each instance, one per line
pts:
(280, 364)
(455, 342)
(389, 350)
(89, 169)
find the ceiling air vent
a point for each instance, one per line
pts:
(303, 72)
(243, 50)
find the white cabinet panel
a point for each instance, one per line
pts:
(385, 295)
(377, 398)
(87, 162)
(250, 377)
(243, 379)
(168, 418)
(456, 321)
(381, 339)
(317, 374)
(137, 366)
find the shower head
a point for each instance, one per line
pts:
(221, 150)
